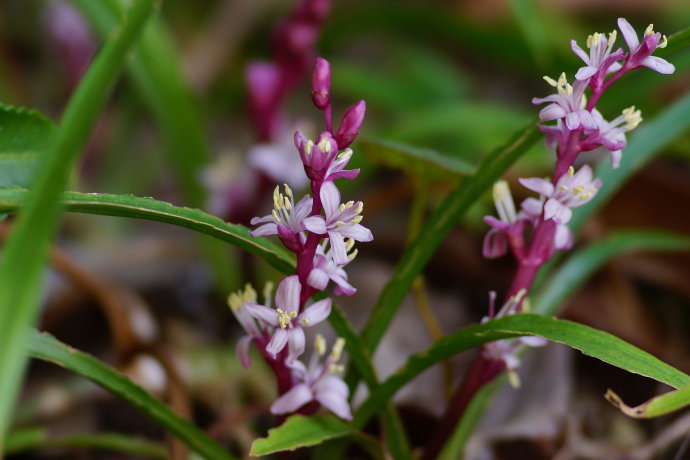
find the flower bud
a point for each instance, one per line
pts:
(321, 84)
(349, 126)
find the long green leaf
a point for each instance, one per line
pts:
(655, 407)
(589, 341)
(11, 199)
(435, 230)
(22, 263)
(48, 348)
(299, 431)
(40, 438)
(25, 136)
(579, 267)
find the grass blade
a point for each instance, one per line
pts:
(48, 348)
(11, 199)
(589, 341)
(23, 259)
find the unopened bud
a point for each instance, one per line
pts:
(321, 84)
(349, 127)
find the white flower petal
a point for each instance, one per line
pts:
(297, 397)
(287, 295)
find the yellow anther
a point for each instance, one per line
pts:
(513, 379)
(571, 171)
(349, 244)
(357, 219)
(612, 38)
(239, 298)
(288, 190)
(526, 306)
(563, 187)
(305, 321)
(562, 80)
(341, 208)
(649, 30)
(337, 350)
(268, 293)
(585, 196)
(360, 208)
(568, 89)
(308, 146)
(339, 223)
(325, 146)
(320, 344)
(579, 189)
(333, 368)
(550, 81)
(285, 318)
(234, 302)
(353, 254)
(275, 215)
(347, 153)
(594, 40)
(663, 42)
(277, 198)
(287, 203)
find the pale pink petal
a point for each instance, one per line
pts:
(335, 403)
(553, 209)
(261, 220)
(658, 64)
(357, 232)
(331, 383)
(297, 397)
(295, 343)
(303, 208)
(563, 239)
(343, 287)
(265, 230)
(338, 248)
(262, 313)
(497, 224)
(541, 186)
(315, 224)
(629, 34)
(579, 52)
(242, 350)
(572, 120)
(318, 279)
(330, 199)
(552, 112)
(585, 72)
(533, 341)
(287, 295)
(495, 244)
(278, 342)
(616, 158)
(315, 313)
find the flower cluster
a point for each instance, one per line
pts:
(574, 126)
(234, 187)
(322, 231)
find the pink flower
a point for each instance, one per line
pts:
(350, 124)
(318, 382)
(286, 219)
(322, 162)
(600, 59)
(326, 270)
(568, 104)
(571, 190)
(341, 221)
(640, 53)
(286, 320)
(612, 134)
(237, 302)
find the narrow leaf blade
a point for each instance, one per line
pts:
(300, 431)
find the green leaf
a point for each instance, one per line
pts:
(532, 27)
(589, 341)
(25, 136)
(579, 266)
(655, 407)
(24, 255)
(48, 348)
(415, 161)
(11, 199)
(300, 431)
(40, 438)
(436, 228)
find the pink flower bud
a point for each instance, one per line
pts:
(321, 83)
(349, 127)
